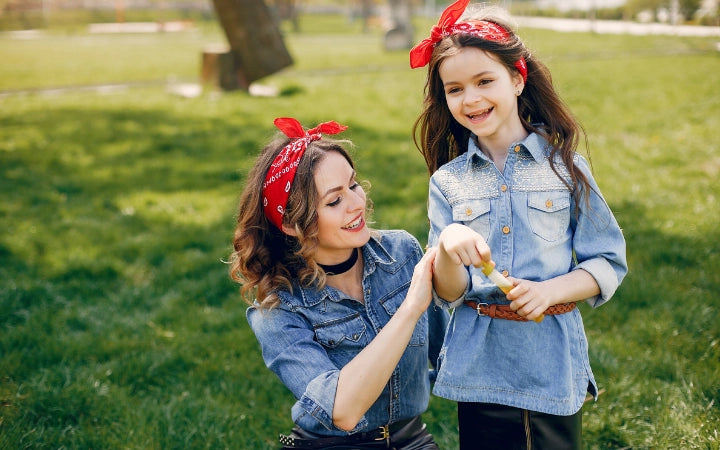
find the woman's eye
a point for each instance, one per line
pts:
(335, 202)
(354, 186)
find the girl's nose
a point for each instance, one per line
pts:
(471, 96)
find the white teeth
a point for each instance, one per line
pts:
(354, 224)
(474, 116)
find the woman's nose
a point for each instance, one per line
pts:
(359, 199)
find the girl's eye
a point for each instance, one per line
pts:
(355, 186)
(452, 91)
(335, 202)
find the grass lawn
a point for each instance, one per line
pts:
(119, 327)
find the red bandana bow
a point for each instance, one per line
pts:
(420, 54)
(281, 174)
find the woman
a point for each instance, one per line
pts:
(340, 311)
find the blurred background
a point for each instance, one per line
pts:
(38, 14)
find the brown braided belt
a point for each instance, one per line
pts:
(496, 311)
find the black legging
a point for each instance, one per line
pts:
(490, 426)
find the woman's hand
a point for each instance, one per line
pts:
(420, 291)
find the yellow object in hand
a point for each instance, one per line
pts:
(501, 282)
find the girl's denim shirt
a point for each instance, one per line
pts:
(313, 333)
(527, 216)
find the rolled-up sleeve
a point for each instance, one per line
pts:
(290, 350)
(599, 243)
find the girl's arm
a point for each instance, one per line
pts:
(531, 298)
(458, 247)
(363, 379)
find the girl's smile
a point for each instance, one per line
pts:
(481, 95)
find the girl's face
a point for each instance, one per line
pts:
(481, 95)
(341, 210)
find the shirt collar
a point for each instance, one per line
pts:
(374, 255)
(534, 144)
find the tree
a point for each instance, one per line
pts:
(256, 43)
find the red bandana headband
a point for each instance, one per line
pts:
(420, 54)
(280, 176)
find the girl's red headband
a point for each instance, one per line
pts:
(280, 175)
(420, 54)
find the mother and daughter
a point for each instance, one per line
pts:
(354, 321)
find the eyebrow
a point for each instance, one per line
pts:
(474, 77)
(337, 188)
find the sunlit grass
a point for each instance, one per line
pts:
(119, 327)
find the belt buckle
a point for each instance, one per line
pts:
(477, 308)
(384, 434)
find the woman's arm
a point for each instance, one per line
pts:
(363, 379)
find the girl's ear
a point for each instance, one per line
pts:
(290, 231)
(519, 84)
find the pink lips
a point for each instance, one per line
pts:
(357, 228)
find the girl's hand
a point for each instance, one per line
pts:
(530, 299)
(461, 245)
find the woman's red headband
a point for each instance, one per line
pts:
(280, 175)
(420, 54)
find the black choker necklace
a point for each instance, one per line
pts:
(337, 269)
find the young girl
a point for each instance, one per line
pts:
(339, 310)
(507, 184)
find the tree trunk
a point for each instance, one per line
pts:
(254, 38)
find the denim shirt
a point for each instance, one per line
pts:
(313, 333)
(527, 216)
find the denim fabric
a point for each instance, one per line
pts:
(527, 215)
(313, 333)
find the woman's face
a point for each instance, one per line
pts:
(340, 210)
(481, 95)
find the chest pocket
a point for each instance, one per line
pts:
(475, 214)
(420, 333)
(549, 214)
(347, 333)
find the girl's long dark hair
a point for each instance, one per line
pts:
(440, 138)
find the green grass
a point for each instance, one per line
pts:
(119, 327)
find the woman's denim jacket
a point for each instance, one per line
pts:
(528, 217)
(313, 333)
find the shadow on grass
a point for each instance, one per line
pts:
(655, 343)
(118, 299)
(120, 326)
